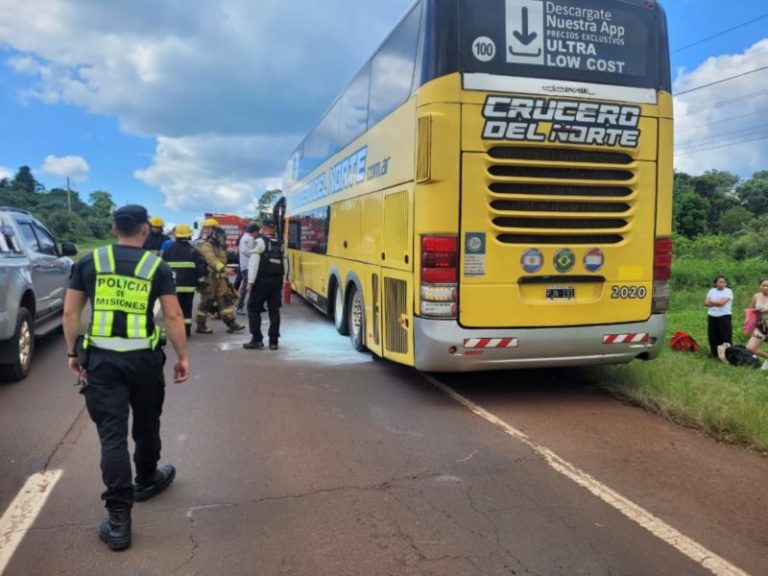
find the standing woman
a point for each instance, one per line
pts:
(719, 300)
(760, 303)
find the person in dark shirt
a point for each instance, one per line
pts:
(156, 238)
(119, 362)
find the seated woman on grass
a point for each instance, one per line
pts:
(760, 303)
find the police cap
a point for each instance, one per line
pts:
(251, 228)
(131, 214)
(269, 223)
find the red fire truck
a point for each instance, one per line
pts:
(234, 226)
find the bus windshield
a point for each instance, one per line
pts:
(616, 43)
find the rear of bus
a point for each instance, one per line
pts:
(560, 117)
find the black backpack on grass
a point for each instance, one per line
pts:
(739, 356)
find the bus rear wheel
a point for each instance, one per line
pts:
(340, 316)
(356, 318)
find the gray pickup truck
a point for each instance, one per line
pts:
(33, 279)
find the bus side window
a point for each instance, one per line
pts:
(393, 68)
(294, 234)
(354, 107)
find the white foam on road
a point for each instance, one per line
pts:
(23, 511)
(686, 546)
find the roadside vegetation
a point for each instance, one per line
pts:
(62, 211)
(720, 225)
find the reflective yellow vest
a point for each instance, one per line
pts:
(117, 294)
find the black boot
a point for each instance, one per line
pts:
(162, 479)
(115, 531)
(254, 344)
(234, 326)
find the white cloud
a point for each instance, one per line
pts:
(5, 173)
(725, 126)
(74, 167)
(211, 80)
(214, 173)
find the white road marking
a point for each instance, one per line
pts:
(690, 548)
(23, 511)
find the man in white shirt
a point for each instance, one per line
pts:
(244, 250)
(265, 281)
(719, 300)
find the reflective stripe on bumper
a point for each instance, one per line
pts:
(445, 346)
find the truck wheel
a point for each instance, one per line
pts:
(22, 346)
(356, 317)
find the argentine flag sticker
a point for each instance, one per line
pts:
(532, 260)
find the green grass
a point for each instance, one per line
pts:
(87, 245)
(692, 388)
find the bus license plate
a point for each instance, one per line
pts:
(561, 292)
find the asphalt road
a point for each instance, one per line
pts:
(317, 460)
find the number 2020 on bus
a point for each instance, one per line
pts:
(628, 292)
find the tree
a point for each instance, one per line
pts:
(266, 201)
(17, 198)
(102, 204)
(59, 198)
(734, 219)
(690, 212)
(752, 242)
(26, 182)
(718, 188)
(67, 226)
(753, 193)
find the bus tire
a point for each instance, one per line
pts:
(340, 316)
(356, 319)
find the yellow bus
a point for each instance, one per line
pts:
(493, 189)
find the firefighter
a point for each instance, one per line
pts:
(119, 363)
(189, 270)
(154, 241)
(265, 282)
(216, 287)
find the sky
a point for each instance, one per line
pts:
(195, 106)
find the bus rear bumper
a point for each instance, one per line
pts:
(444, 346)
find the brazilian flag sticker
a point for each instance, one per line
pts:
(565, 260)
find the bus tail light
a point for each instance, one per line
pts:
(439, 276)
(662, 272)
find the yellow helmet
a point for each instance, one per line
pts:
(156, 222)
(210, 223)
(183, 231)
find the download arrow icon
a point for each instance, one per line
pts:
(525, 37)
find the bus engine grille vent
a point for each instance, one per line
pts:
(560, 196)
(396, 308)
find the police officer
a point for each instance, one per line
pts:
(156, 238)
(188, 270)
(216, 287)
(265, 282)
(120, 361)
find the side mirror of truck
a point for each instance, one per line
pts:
(68, 249)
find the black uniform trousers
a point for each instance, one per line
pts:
(186, 301)
(719, 331)
(269, 291)
(119, 382)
